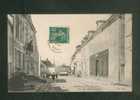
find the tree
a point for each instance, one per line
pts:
(47, 62)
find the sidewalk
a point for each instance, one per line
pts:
(28, 87)
(104, 84)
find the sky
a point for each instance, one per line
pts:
(79, 25)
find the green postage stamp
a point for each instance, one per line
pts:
(58, 34)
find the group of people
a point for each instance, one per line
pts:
(52, 76)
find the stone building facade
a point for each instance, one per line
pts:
(10, 31)
(107, 53)
(22, 50)
(128, 47)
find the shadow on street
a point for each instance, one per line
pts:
(50, 87)
(60, 80)
(30, 85)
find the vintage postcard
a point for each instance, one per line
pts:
(69, 52)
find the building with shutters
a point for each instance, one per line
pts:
(22, 47)
(107, 52)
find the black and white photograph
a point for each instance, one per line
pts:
(69, 52)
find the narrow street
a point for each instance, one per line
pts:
(77, 84)
(69, 52)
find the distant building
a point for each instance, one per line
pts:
(22, 47)
(107, 53)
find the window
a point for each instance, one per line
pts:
(21, 29)
(17, 27)
(23, 60)
(18, 59)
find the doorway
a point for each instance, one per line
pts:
(122, 72)
(99, 64)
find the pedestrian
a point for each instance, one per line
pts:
(56, 76)
(53, 76)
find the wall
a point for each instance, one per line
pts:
(128, 48)
(18, 42)
(10, 46)
(77, 63)
(85, 59)
(108, 39)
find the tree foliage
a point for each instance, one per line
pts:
(47, 62)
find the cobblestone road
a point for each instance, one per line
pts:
(76, 84)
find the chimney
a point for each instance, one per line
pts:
(78, 47)
(99, 23)
(91, 33)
